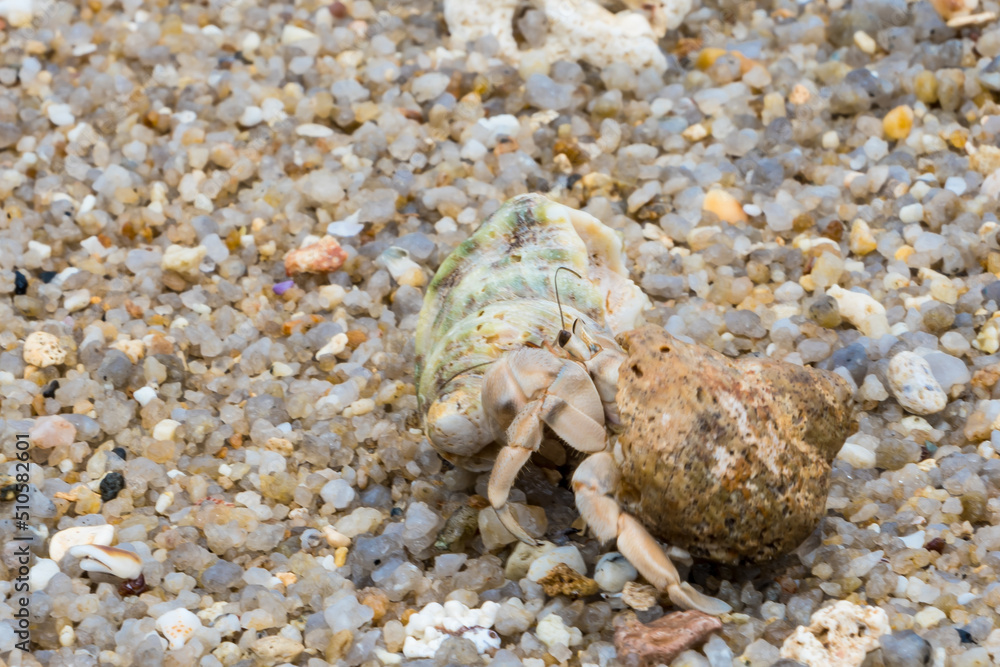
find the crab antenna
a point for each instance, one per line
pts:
(563, 334)
(466, 370)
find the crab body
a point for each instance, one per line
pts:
(729, 459)
(494, 295)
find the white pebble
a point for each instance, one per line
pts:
(956, 184)
(473, 150)
(41, 574)
(164, 502)
(914, 540)
(613, 571)
(552, 631)
(861, 310)
(569, 555)
(498, 126)
(314, 130)
(859, 457)
(76, 300)
(144, 395)
(876, 149)
(181, 259)
(928, 617)
(43, 250)
(911, 213)
(165, 429)
(291, 34)
(914, 386)
(251, 116)
(336, 345)
(60, 115)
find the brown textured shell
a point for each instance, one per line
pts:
(729, 459)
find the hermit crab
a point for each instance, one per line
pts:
(529, 328)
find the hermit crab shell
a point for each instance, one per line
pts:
(495, 293)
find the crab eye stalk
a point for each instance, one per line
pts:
(563, 338)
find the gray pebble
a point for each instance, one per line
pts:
(905, 648)
(115, 369)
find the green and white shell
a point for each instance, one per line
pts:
(495, 293)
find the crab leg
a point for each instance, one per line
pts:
(564, 398)
(594, 483)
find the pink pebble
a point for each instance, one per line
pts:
(52, 431)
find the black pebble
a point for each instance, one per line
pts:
(119, 452)
(47, 276)
(396, 511)
(50, 389)
(112, 483)
(20, 283)
(965, 636)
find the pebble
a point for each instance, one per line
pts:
(314, 130)
(898, 123)
(613, 571)
(545, 561)
(111, 485)
(42, 349)
(861, 310)
(725, 206)
(914, 385)
(522, 558)
(166, 429)
(842, 633)
(52, 431)
(61, 115)
(859, 457)
(41, 574)
(947, 370)
(718, 652)
(324, 256)
(277, 649)
(928, 617)
(862, 241)
(183, 260)
(428, 629)
(552, 632)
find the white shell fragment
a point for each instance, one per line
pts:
(914, 386)
(64, 540)
(577, 30)
(427, 629)
(840, 634)
(109, 560)
(42, 349)
(177, 626)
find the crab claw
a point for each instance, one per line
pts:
(529, 389)
(510, 523)
(594, 484)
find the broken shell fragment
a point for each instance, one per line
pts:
(177, 626)
(324, 256)
(62, 541)
(109, 560)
